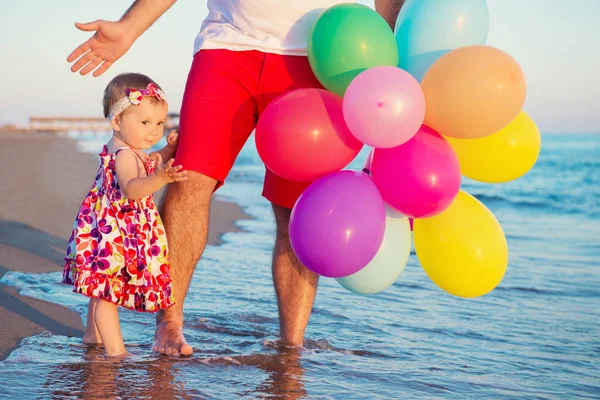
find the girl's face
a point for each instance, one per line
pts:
(142, 126)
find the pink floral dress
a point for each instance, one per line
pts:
(118, 247)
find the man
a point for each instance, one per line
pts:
(247, 53)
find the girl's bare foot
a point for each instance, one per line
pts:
(117, 355)
(92, 338)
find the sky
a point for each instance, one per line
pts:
(556, 42)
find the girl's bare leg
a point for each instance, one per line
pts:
(92, 336)
(106, 317)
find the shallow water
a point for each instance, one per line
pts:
(536, 336)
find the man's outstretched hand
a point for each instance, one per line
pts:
(110, 41)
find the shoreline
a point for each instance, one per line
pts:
(44, 180)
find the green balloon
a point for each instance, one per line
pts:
(347, 39)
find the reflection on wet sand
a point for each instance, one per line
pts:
(98, 377)
(157, 377)
(285, 375)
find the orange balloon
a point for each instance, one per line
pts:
(473, 91)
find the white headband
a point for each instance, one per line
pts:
(134, 96)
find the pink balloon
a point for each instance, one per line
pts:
(419, 178)
(337, 224)
(301, 135)
(384, 106)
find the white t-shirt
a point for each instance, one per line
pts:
(272, 26)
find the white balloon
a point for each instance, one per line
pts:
(390, 260)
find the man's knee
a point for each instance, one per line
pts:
(185, 212)
(196, 190)
(186, 205)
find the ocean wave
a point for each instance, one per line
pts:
(548, 203)
(550, 292)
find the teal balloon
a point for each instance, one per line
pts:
(428, 29)
(389, 262)
(347, 39)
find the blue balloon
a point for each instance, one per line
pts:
(428, 29)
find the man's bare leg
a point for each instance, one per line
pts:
(295, 285)
(185, 211)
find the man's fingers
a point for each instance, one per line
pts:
(87, 57)
(91, 65)
(89, 26)
(103, 67)
(78, 52)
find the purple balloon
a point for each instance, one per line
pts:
(337, 224)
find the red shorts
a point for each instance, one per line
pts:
(225, 94)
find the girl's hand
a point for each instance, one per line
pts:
(173, 139)
(166, 172)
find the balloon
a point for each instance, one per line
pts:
(301, 135)
(384, 107)
(463, 250)
(390, 260)
(419, 178)
(337, 224)
(473, 91)
(345, 40)
(428, 29)
(502, 156)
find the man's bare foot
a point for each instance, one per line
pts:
(169, 340)
(91, 339)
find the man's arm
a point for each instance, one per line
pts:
(389, 10)
(111, 39)
(143, 13)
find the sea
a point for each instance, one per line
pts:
(536, 336)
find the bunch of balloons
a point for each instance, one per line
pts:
(435, 103)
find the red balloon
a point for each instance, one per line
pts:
(302, 136)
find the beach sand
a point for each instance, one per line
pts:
(44, 180)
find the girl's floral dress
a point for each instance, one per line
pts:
(118, 247)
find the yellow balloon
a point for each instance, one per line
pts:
(463, 249)
(502, 156)
(473, 91)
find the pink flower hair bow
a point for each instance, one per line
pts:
(135, 96)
